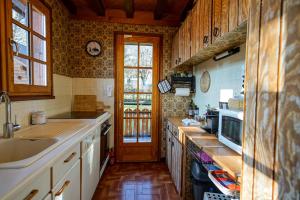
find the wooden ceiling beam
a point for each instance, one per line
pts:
(99, 7)
(159, 9)
(70, 6)
(129, 8)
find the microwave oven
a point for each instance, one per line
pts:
(230, 130)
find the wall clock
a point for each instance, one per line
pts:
(205, 82)
(93, 48)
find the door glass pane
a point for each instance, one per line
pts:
(20, 36)
(145, 107)
(145, 80)
(130, 80)
(20, 11)
(130, 105)
(130, 55)
(144, 130)
(146, 55)
(38, 21)
(40, 74)
(39, 48)
(21, 71)
(130, 130)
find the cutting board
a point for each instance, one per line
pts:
(85, 103)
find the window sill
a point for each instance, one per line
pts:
(30, 98)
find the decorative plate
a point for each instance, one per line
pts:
(93, 48)
(205, 82)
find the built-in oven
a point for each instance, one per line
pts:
(104, 143)
(231, 129)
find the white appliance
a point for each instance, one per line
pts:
(230, 130)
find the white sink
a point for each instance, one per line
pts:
(19, 153)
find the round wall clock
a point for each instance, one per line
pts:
(93, 48)
(205, 82)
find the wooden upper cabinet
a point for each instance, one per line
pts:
(184, 41)
(225, 17)
(196, 29)
(206, 22)
(175, 50)
(233, 14)
(243, 11)
(217, 19)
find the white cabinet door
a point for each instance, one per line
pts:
(91, 167)
(68, 187)
(169, 149)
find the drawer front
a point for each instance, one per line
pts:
(68, 187)
(64, 163)
(37, 189)
(169, 126)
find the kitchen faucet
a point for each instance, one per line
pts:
(8, 126)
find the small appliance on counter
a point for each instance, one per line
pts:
(212, 120)
(38, 117)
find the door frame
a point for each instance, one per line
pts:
(160, 69)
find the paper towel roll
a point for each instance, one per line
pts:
(184, 92)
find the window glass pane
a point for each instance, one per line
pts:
(130, 105)
(145, 80)
(39, 48)
(21, 36)
(130, 80)
(145, 106)
(144, 130)
(131, 55)
(21, 71)
(146, 55)
(40, 74)
(38, 21)
(130, 130)
(20, 11)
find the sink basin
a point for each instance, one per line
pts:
(19, 153)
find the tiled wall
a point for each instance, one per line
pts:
(225, 74)
(102, 68)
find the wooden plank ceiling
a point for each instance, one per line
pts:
(151, 12)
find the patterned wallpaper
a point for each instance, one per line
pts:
(85, 66)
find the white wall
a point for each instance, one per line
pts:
(62, 88)
(225, 74)
(96, 86)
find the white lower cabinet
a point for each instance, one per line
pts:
(90, 165)
(169, 149)
(68, 187)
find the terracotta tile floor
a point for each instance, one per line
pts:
(136, 181)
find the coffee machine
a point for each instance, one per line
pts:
(212, 120)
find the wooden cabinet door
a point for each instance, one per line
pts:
(176, 163)
(187, 38)
(243, 11)
(175, 50)
(196, 30)
(180, 44)
(206, 16)
(69, 187)
(225, 17)
(233, 14)
(216, 23)
(169, 149)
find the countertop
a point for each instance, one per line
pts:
(68, 132)
(226, 158)
(78, 115)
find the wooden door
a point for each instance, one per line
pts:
(137, 97)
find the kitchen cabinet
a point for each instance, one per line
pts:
(196, 28)
(69, 186)
(216, 19)
(90, 164)
(175, 50)
(243, 11)
(184, 41)
(174, 156)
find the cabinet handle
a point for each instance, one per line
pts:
(31, 195)
(216, 32)
(169, 140)
(205, 39)
(179, 60)
(62, 189)
(70, 157)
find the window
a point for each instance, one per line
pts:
(29, 69)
